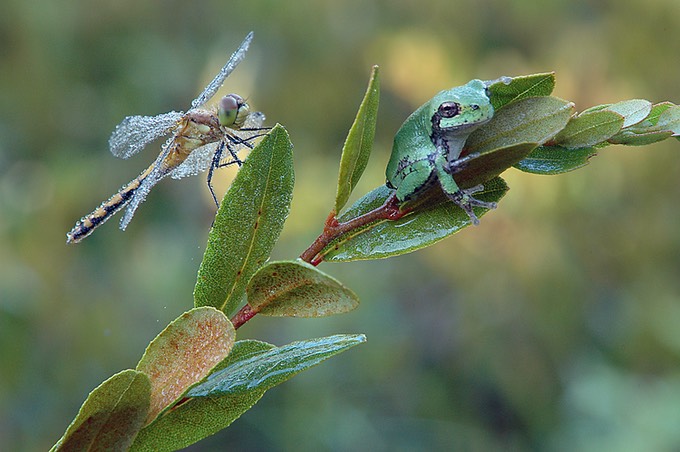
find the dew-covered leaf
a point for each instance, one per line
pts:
(357, 148)
(111, 416)
(549, 160)
(248, 223)
(589, 129)
(234, 386)
(298, 289)
(530, 120)
(193, 419)
(274, 366)
(184, 353)
(533, 85)
(431, 221)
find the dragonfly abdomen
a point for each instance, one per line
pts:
(86, 225)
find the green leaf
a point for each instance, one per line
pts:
(298, 289)
(234, 387)
(491, 164)
(633, 111)
(248, 223)
(530, 120)
(521, 87)
(274, 366)
(669, 119)
(183, 353)
(111, 416)
(433, 220)
(357, 148)
(657, 109)
(196, 418)
(589, 129)
(639, 137)
(662, 123)
(555, 160)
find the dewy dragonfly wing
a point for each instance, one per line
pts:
(221, 76)
(197, 162)
(149, 179)
(135, 132)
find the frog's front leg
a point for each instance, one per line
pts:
(462, 197)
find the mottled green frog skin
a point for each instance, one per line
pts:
(430, 141)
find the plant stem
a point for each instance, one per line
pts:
(332, 230)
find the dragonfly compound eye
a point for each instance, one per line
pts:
(227, 109)
(449, 109)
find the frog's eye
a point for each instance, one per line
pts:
(449, 109)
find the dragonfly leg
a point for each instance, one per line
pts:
(215, 164)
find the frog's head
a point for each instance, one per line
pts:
(461, 109)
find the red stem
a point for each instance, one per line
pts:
(333, 230)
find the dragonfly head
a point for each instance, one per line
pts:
(232, 111)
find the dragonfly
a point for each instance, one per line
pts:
(198, 143)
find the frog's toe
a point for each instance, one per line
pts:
(458, 165)
(463, 198)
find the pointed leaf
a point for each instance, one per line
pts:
(633, 111)
(429, 223)
(273, 367)
(491, 164)
(248, 223)
(111, 416)
(530, 120)
(555, 160)
(193, 419)
(357, 148)
(234, 387)
(589, 129)
(298, 289)
(521, 87)
(184, 353)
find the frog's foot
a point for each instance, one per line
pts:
(464, 199)
(459, 165)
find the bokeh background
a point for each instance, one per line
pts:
(555, 325)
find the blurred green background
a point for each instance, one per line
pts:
(555, 325)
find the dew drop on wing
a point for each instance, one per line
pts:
(221, 76)
(197, 162)
(135, 132)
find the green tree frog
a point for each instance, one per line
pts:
(427, 146)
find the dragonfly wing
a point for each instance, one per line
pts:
(254, 120)
(228, 68)
(149, 180)
(135, 132)
(197, 162)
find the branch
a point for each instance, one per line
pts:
(332, 231)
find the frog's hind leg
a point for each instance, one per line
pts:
(461, 196)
